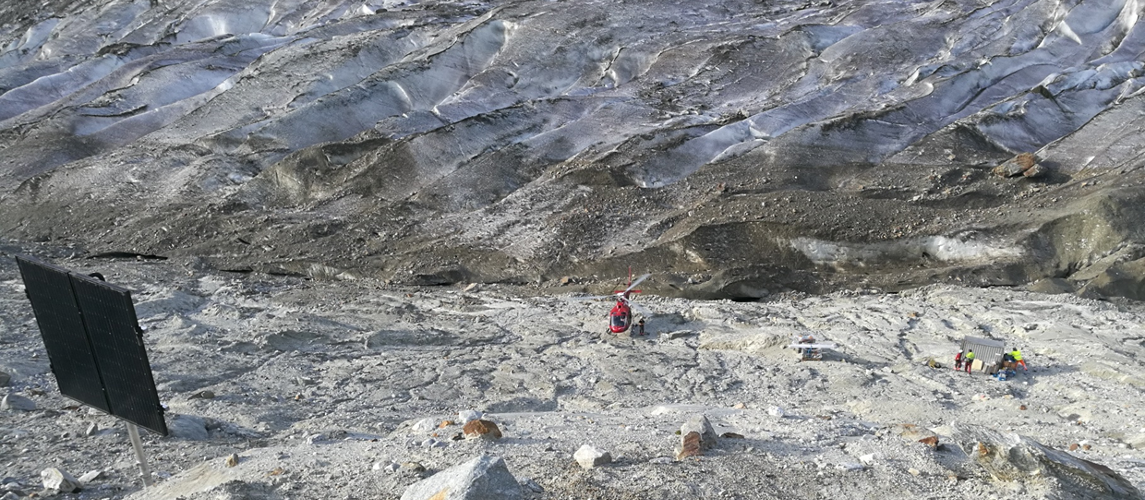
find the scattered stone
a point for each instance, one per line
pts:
(589, 456)
(867, 459)
(390, 467)
(4, 379)
(739, 406)
(851, 467)
(471, 287)
(483, 477)
(444, 424)
(413, 467)
(1074, 446)
(92, 429)
(731, 435)
(481, 429)
(90, 476)
(466, 416)
(433, 443)
(660, 460)
(189, 427)
(16, 402)
(678, 334)
(1022, 407)
(425, 425)
(232, 460)
(10, 496)
(203, 395)
(698, 435)
(566, 280)
(931, 441)
(913, 471)
(776, 411)
(57, 480)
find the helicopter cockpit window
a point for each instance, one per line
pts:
(619, 320)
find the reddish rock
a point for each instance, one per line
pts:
(1073, 447)
(1026, 160)
(931, 441)
(481, 429)
(691, 446)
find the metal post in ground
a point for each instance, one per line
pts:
(133, 433)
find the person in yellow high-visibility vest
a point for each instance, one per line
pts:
(969, 360)
(1018, 358)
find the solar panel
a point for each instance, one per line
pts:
(61, 325)
(94, 343)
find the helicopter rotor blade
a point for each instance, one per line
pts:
(640, 309)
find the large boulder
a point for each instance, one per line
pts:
(1011, 457)
(483, 477)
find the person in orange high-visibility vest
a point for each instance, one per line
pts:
(1018, 358)
(969, 360)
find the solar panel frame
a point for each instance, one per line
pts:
(94, 343)
(49, 289)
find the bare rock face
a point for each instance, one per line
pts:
(483, 477)
(1011, 457)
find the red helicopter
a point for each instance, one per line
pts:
(620, 318)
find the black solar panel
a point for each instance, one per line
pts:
(94, 343)
(50, 291)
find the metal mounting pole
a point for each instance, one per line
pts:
(133, 433)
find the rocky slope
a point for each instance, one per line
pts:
(317, 389)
